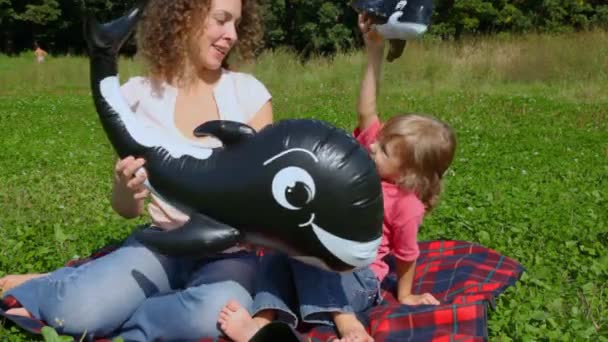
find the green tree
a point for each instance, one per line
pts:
(6, 12)
(42, 13)
(455, 18)
(600, 17)
(309, 26)
(511, 18)
(7, 23)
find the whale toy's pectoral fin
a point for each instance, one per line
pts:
(200, 236)
(228, 132)
(396, 49)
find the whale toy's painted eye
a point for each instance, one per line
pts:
(293, 188)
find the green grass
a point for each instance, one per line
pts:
(530, 178)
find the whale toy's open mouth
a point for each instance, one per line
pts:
(356, 254)
(353, 253)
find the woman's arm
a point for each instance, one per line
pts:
(263, 117)
(128, 191)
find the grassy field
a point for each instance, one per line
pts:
(530, 178)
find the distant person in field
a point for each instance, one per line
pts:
(134, 292)
(39, 53)
(412, 152)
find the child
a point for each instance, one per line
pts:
(412, 153)
(39, 53)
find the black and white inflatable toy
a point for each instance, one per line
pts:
(302, 187)
(397, 20)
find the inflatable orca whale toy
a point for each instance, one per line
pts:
(397, 20)
(300, 186)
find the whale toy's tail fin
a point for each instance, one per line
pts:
(200, 236)
(111, 36)
(104, 42)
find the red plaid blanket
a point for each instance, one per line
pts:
(465, 277)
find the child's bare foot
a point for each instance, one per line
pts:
(237, 323)
(350, 328)
(13, 280)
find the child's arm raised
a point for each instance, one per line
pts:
(366, 107)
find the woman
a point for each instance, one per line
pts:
(134, 292)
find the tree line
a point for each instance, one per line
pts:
(307, 26)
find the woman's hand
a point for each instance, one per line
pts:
(129, 190)
(127, 176)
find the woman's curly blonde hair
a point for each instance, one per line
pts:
(167, 27)
(425, 147)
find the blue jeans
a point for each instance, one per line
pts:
(297, 290)
(140, 295)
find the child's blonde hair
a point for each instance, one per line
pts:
(425, 147)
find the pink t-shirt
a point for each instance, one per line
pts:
(403, 214)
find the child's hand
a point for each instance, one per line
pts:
(373, 40)
(350, 328)
(423, 299)
(125, 174)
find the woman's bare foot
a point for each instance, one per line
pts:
(18, 312)
(350, 328)
(237, 323)
(13, 280)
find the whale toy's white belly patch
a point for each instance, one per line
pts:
(147, 135)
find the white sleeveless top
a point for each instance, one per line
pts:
(239, 97)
